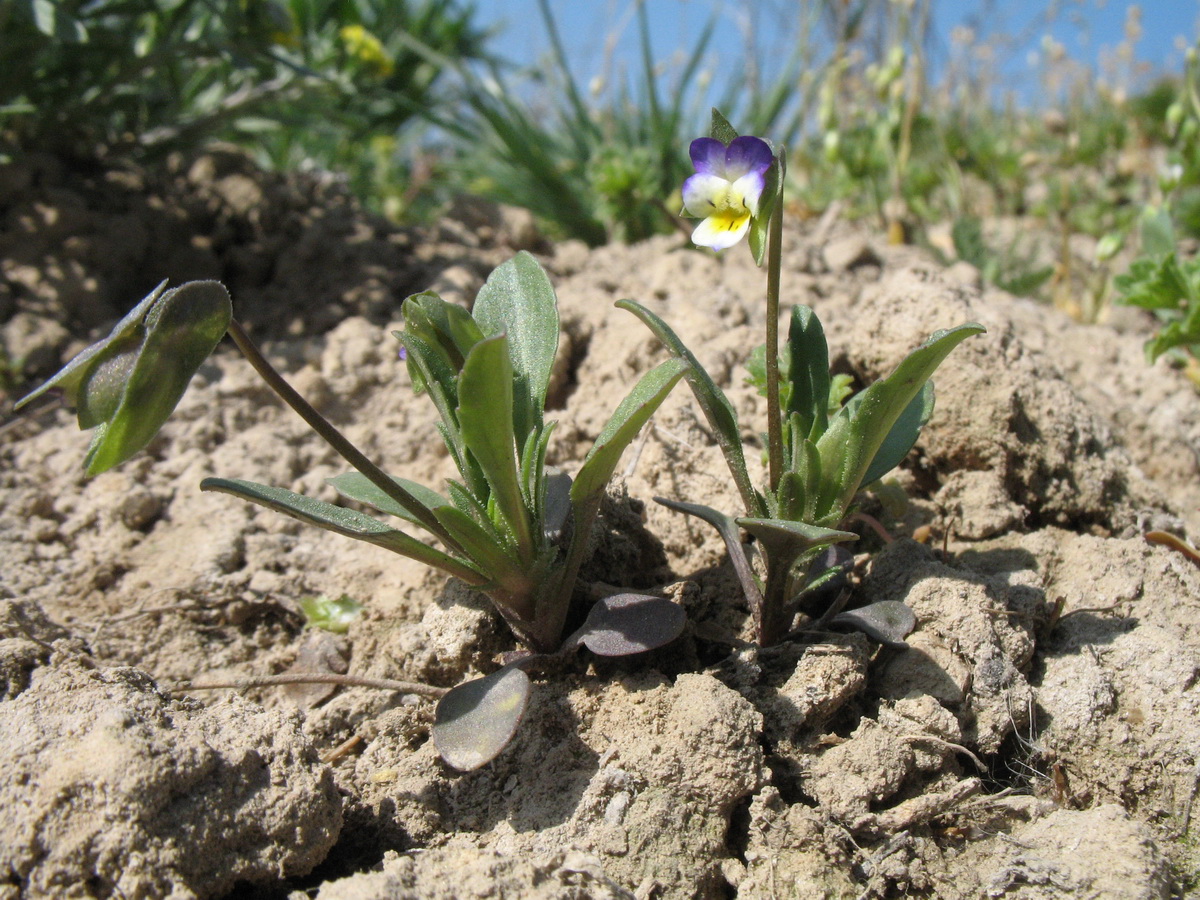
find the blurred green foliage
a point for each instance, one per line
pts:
(322, 83)
(404, 100)
(607, 163)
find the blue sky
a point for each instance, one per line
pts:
(1088, 30)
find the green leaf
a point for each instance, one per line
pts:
(716, 406)
(856, 434)
(475, 721)
(127, 385)
(330, 615)
(485, 415)
(346, 522)
(771, 199)
(800, 484)
(431, 371)
(633, 412)
(1160, 283)
(356, 486)
(727, 527)
(785, 540)
(483, 545)
(720, 129)
(1180, 333)
(808, 372)
(903, 436)
(518, 300)
(1157, 232)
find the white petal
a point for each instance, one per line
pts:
(705, 194)
(749, 190)
(720, 232)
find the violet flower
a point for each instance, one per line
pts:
(726, 188)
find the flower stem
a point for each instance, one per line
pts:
(774, 414)
(333, 437)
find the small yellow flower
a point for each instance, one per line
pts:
(367, 49)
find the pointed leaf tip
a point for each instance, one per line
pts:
(888, 621)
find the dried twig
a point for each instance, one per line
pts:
(383, 684)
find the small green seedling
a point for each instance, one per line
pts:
(1165, 284)
(329, 614)
(511, 526)
(821, 452)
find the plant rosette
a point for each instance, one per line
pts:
(509, 526)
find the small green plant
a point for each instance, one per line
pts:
(820, 451)
(512, 527)
(1009, 267)
(1166, 285)
(1162, 280)
(329, 614)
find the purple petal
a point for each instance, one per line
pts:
(746, 154)
(708, 156)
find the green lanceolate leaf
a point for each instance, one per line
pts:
(856, 434)
(475, 721)
(444, 326)
(786, 541)
(127, 385)
(518, 300)
(345, 522)
(727, 527)
(716, 406)
(808, 372)
(903, 435)
(800, 485)
(633, 412)
(430, 370)
(485, 415)
(482, 544)
(356, 486)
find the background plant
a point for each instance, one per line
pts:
(325, 83)
(597, 165)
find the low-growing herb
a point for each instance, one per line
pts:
(509, 526)
(820, 450)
